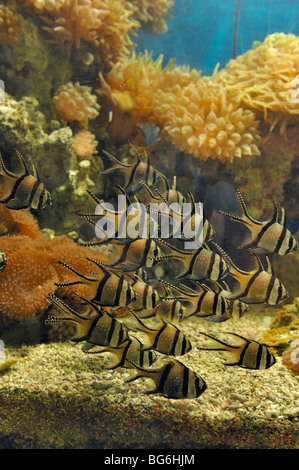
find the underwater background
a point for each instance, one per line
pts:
(155, 101)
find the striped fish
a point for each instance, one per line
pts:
(99, 328)
(270, 236)
(204, 303)
(198, 264)
(3, 261)
(108, 288)
(128, 354)
(131, 254)
(237, 308)
(248, 354)
(256, 286)
(173, 380)
(22, 190)
(147, 299)
(167, 339)
(135, 172)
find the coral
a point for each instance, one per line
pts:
(264, 78)
(201, 120)
(9, 26)
(52, 6)
(85, 144)
(152, 13)
(32, 266)
(130, 86)
(290, 357)
(74, 102)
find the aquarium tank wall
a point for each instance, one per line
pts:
(149, 225)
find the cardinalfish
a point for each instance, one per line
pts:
(249, 354)
(198, 264)
(270, 236)
(99, 328)
(3, 261)
(237, 308)
(128, 354)
(256, 286)
(22, 190)
(204, 302)
(129, 255)
(167, 339)
(135, 172)
(108, 289)
(173, 380)
(147, 298)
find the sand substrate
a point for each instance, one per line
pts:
(56, 396)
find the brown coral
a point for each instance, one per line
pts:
(201, 120)
(266, 78)
(74, 102)
(9, 26)
(32, 267)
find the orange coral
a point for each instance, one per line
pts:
(201, 120)
(266, 78)
(32, 267)
(74, 102)
(84, 144)
(290, 357)
(9, 26)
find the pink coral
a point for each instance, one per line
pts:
(290, 357)
(84, 144)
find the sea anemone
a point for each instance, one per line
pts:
(74, 102)
(9, 26)
(200, 119)
(84, 144)
(290, 357)
(266, 78)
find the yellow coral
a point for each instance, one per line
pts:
(9, 26)
(74, 102)
(201, 120)
(266, 78)
(152, 14)
(52, 6)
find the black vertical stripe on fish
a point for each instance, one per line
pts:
(144, 295)
(146, 251)
(281, 239)
(164, 376)
(15, 187)
(243, 354)
(192, 262)
(250, 282)
(211, 265)
(157, 337)
(93, 325)
(270, 287)
(129, 299)
(174, 343)
(123, 256)
(259, 355)
(134, 169)
(119, 290)
(279, 294)
(185, 384)
(111, 330)
(33, 191)
(101, 286)
(200, 300)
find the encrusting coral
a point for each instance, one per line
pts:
(75, 102)
(9, 26)
(32, 267)
(265, 79)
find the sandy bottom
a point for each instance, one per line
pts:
(56, 396)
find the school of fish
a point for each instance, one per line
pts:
(128, 296)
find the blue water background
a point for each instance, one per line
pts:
(200, 32)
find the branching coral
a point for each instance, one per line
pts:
(74, 102)
(201, 120)
(9, 26)
(266, 77)
(32, 267)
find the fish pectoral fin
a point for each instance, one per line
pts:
(15, 204)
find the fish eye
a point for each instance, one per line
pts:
(156, 252)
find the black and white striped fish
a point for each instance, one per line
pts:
(249, 354)
(108, 288)
(166, 339)
(22, 190)
(3, 261)
(135, 172)
(270, 236)
(257, 286)
(198, 264)
(173, 380)
(130, 351)
(100, 328)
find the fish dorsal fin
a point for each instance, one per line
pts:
(142, 326)
(244, 208)
(82, 276)
(269, 268)
(258, 262)
(63, 306)
(22, 160)
(137, 155)
(238, 336)
(117, 162)
(5, 170)
(187, 290)
(228, 259)
(102, 266)
(226, 345)
(124, 193)
(94, 197)
(146, 186)
(173, 248)
(275, 213)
